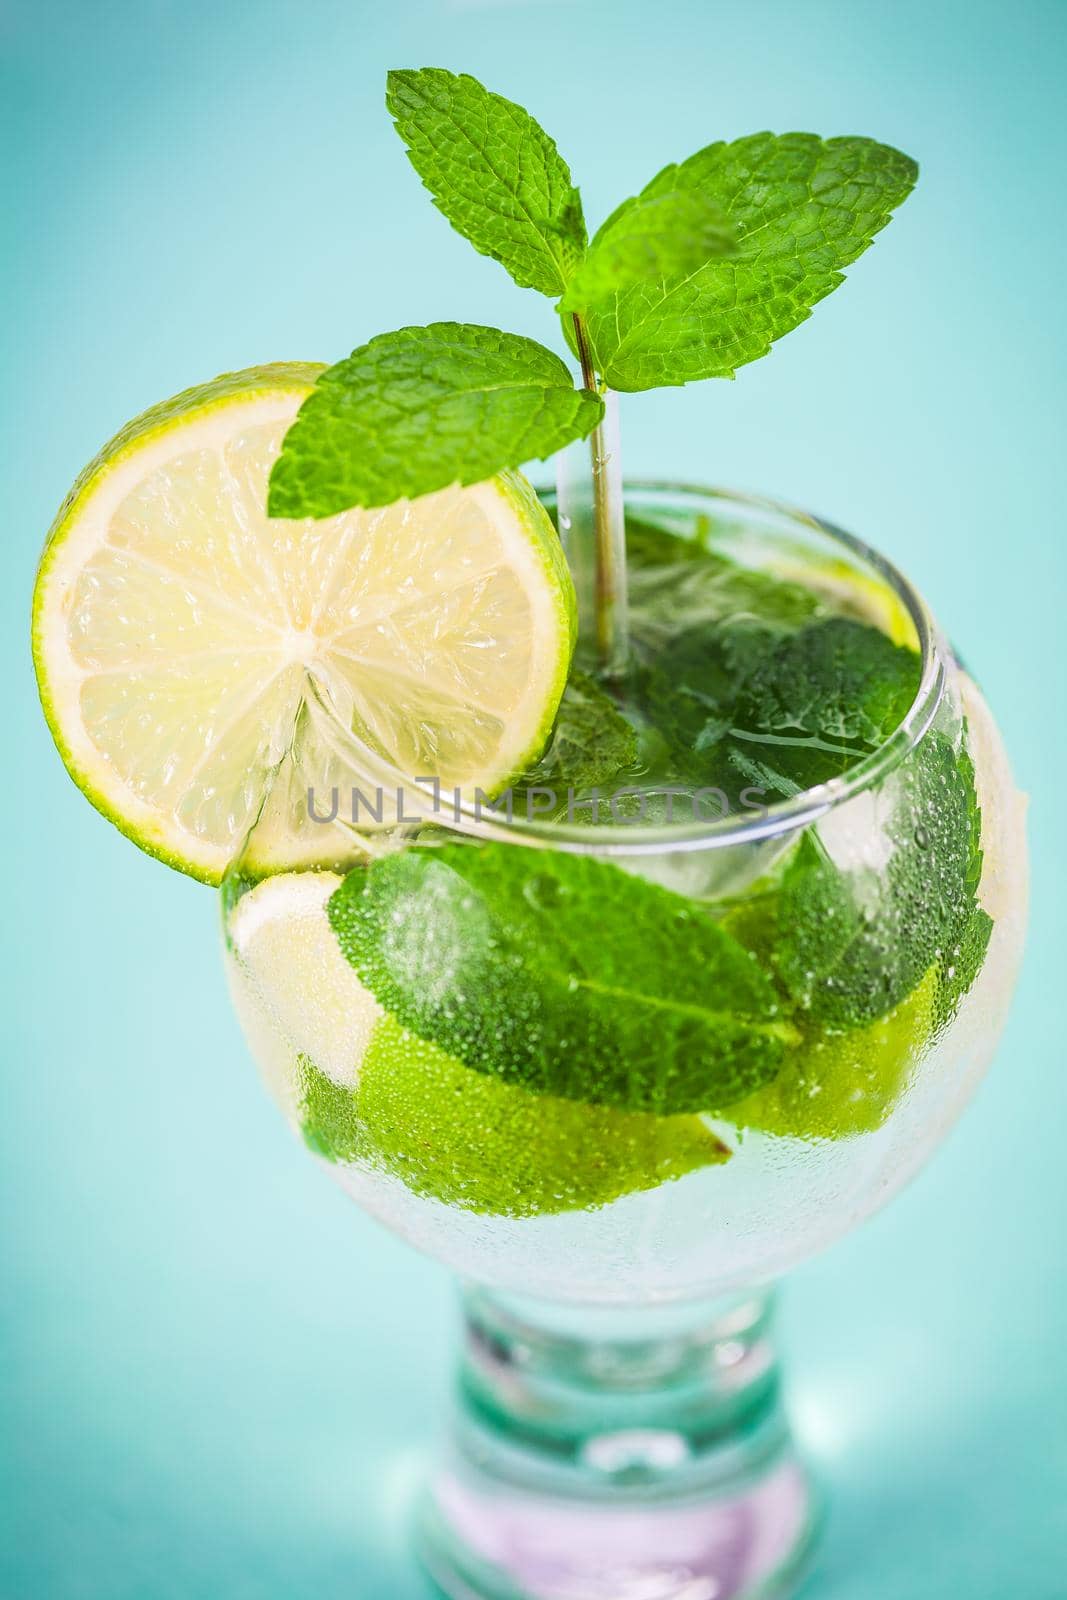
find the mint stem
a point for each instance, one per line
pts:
(608, 525)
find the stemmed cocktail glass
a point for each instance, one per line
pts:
(618, 1431)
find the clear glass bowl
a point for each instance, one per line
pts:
(782, 1195)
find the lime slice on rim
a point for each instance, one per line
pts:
(178, 631)
(362, 1088)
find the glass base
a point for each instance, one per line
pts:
(618, 1456)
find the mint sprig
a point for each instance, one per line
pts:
(423, 408)
(696, 275)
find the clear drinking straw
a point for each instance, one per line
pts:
(593, 531)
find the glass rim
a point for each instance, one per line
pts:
(766, 822)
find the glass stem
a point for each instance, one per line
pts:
(630, 1390)
(623, 1453)
(593, 512)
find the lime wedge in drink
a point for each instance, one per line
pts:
(178, 631)
(364, 1089)
(842, 1083)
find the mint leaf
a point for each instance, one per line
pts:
(821, 699)
(744, 701)
(962, 962)
(494, 173)
(854, 941)
(802, 209)
(852, 944)
(648, 239)
(422, 408)
(968, 941)
(592, 743)
(691, 686)
(562, 974)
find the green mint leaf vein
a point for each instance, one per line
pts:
(494, 173)
(564, 975)
(648, 239)
(802, 208)
(422, 408)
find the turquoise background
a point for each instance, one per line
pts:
(218, 1377)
